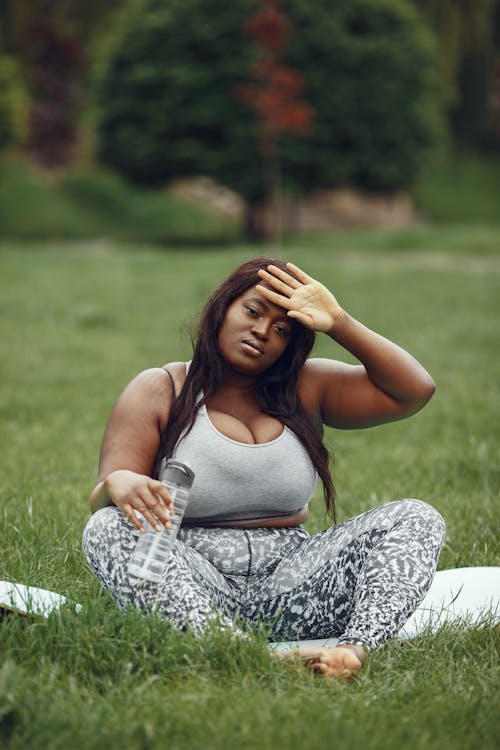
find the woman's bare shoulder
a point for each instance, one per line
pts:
(177, 371)
(155, 383)
(154, 378)
(149, 380)
(148, 392)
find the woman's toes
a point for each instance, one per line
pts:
(341, 662)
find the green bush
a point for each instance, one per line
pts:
(123, 211)
(165, 91)
(32, 208)
(459, 187)
(371, 76)
(94, 203)
(13, 104)
(167, 106)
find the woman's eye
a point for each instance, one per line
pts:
(253, 312)
(282, 331)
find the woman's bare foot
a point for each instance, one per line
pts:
(341, 661)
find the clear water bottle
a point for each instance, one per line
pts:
(153, 549)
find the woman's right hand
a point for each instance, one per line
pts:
(130, 491)
(306, 300)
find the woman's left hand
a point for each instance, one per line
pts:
(306, 300)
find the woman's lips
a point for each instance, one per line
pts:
(253, 348)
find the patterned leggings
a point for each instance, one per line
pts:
(359, 581)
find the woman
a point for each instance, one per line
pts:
(247, 413)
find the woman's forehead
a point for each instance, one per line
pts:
(254, 296)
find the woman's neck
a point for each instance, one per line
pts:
(237, 381)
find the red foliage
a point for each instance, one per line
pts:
(269, 27)
(275, 101)
(274, 96)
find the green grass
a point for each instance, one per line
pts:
(459, 188)
(77, 322)
(427, 239)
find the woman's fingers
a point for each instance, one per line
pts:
(130, 513)
(274, 297)
(148, 516)
(159, 490)
(276, 275)
(299, 274)
(153, 507)
(157, 517)
(276, 284)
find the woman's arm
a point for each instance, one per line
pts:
(389, 384)
(129, 449)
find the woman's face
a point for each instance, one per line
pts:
(254, 334)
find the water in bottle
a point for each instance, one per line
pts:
(153, 549)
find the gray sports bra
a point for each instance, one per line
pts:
(240, 482)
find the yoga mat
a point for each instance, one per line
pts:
(29, 600)
(468, 596)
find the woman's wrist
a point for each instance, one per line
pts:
(100, 497)
(339, 317)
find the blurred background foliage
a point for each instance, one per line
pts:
(184, 60)
(103, 104)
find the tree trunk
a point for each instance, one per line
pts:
(255, 224)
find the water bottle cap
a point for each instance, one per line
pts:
(178, 473)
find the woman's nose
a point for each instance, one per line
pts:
(260, 328)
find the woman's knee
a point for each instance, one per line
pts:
(104, 529)
(99, 521)
(425, 517)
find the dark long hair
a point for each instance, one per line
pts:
(276, 388)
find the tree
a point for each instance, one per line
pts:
(167, 103)
(49, 40)
(469, 52)
(274, 97)
(13, 102)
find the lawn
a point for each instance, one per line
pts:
(77, 321)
